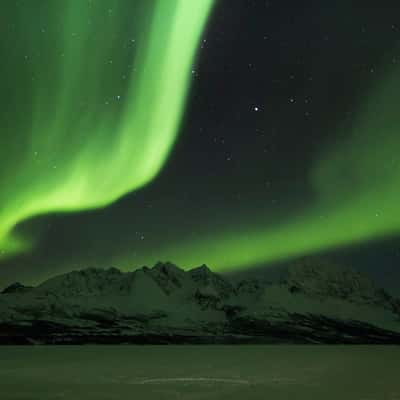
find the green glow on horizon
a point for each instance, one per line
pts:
(356, 198)
(96, 104)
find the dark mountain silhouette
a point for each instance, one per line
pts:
(314, 303)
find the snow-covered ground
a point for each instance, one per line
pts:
(313, 303)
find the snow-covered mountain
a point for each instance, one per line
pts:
(315, 302)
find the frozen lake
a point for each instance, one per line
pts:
(200, 372)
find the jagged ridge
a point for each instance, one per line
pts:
(315, 303)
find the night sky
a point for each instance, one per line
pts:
(279, 140)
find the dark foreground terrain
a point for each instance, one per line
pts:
(200, 372)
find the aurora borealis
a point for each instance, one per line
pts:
(280, 141)
(356, 196)
(101, 103)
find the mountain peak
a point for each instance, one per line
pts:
(167, 275)
(165, 300)
(212, 281)
(16, 287)
(202, 269)
(166, 267)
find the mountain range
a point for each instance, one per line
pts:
(314, 302)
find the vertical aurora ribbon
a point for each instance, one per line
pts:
(93, 93)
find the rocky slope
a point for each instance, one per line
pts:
(314, 303)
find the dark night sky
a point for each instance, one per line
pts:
(274, 83)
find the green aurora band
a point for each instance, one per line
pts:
(94, 94)
(355, 184)
(93, 100)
